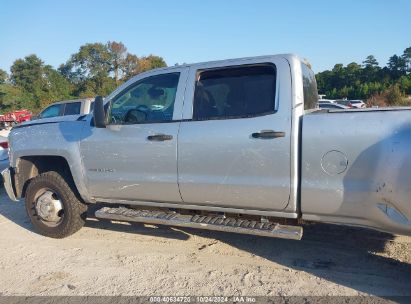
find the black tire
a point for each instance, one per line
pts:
(74, 211)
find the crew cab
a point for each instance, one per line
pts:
(234, 145)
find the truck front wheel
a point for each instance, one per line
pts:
(53, 206)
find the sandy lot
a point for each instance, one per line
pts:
(107, 258)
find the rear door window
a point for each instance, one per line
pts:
(237, 92)
(72, 108)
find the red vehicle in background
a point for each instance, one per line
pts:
(12, 118)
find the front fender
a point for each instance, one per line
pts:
(52, 139)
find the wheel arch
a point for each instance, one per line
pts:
(28, 167)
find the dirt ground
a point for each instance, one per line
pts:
(107, 258)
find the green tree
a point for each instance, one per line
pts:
(39, 83)
(93, 60)
(118, 55)
(96, 69)
(151, 62)
(130, 66)
(3, 76)
(54, 87)
(133, 65)
(12, 97)
(352, 73)
(406, 56)
(397, 66)
(387, 84)
(370, 69)
(370, 62)
(405, 84)
(89, 70)
(27, 73)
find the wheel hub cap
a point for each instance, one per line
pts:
(48, 207)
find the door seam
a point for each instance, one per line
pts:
(178, 135)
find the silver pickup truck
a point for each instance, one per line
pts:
(234, 145)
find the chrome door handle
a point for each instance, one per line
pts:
(159, 137)
(268, 134)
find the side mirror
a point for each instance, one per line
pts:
(99, 115)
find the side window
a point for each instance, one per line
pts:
(51, 111)
(72, 108)
(149, 100)
(235, 92)
(309, 88)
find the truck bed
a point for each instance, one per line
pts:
(355, 167)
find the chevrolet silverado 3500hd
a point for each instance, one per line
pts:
(234, 145)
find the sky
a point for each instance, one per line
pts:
(188, 31)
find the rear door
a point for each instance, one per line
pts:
(234, 143)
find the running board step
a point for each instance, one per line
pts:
(217, 223)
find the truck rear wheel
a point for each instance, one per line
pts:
(53, 206)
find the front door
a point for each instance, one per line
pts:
(135, 156)
(235, 150)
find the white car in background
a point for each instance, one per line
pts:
(353, 104)
(67, 107)
(326, 101)
(331, 106)
(357, 103)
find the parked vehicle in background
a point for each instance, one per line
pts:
(357, 104)
(335, 106)
(12, 118)
(235, 145)
(4, 152)
(67, 107)
(344, 102)
(326, 101)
